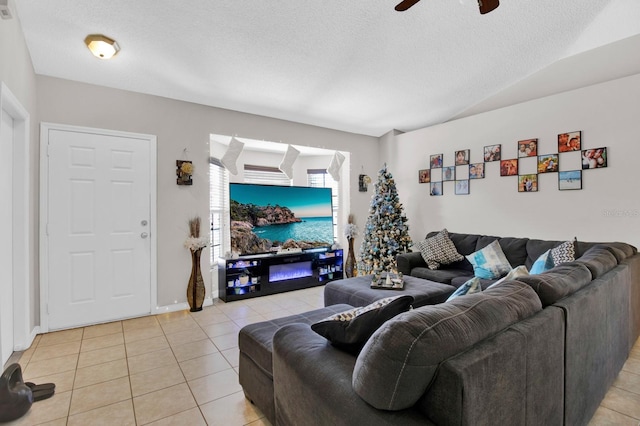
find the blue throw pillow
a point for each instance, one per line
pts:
(489, 263)
(470, 287)
(543, 263)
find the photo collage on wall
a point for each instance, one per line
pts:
(463, 171)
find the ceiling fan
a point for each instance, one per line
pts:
(486, 6)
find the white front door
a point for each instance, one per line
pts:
(6, 237)
(98, 227)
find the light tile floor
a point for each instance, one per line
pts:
(181, 368)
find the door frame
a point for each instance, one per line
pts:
(44, 208)
(23, 303)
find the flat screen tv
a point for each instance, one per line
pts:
(268, 218)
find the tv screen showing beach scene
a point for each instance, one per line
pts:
(269, 218)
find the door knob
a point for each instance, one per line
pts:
(144, 235)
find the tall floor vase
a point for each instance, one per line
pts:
(195, 289)
(350, 263)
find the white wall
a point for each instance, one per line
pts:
(180, 125)
(608, 206)
(16, 71)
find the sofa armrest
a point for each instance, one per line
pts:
(407, 261)
(312, 380)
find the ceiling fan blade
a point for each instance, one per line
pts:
(487, 6)
(406, 4)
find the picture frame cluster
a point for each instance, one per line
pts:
(463, 170)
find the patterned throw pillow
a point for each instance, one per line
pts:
(439, 250)
(519, 271)
(489, 263)
(542, 264)
(351, 329)
(565, 252)
(470, 287)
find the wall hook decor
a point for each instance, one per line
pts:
(363, 181)
(184, 170)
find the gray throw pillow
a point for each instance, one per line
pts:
(351, 329)
(564, 253)
(439, 250)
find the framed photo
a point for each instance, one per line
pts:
(462, 187)
(449, 173)
(436, 188)
(424, 176)
(476, 171)
(492, 153)
(528, 148)
(528, 183)
(570, 180)
(462, 157)
(436, 161)
(568, 142)
(594, 158)
(509, 167)
(547, 163)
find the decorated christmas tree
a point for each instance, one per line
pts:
(386, 233)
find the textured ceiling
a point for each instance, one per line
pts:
(357, 65)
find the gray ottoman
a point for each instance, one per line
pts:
(255, 346)
(357, 291)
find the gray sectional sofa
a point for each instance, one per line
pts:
(542, 349)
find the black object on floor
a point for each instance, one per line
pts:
(43, 391)
(44, 386)
(15, 397)
(40, 394)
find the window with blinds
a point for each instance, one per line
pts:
(219, 208)
(319, 178)
(265, 175)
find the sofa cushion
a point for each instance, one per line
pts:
(559, 282)
(400, 360)
(470, 287)
(255, 340)
(445, 276)
(599, 260)
(563, 253)
(349, 330)
(536, 247)
(489, 262)
(543, 263)
(620, 250)
(439, 250)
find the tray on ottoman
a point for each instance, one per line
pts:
(388, 282)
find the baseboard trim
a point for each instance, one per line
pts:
(179, 307)
(30, 339)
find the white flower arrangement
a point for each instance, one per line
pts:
(196, 243)
(350, 230)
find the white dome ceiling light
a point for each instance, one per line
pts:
(101, 46)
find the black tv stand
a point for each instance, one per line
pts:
(262, 274)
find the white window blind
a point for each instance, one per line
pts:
(319, 178)
(219, 209)
(265, 175)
